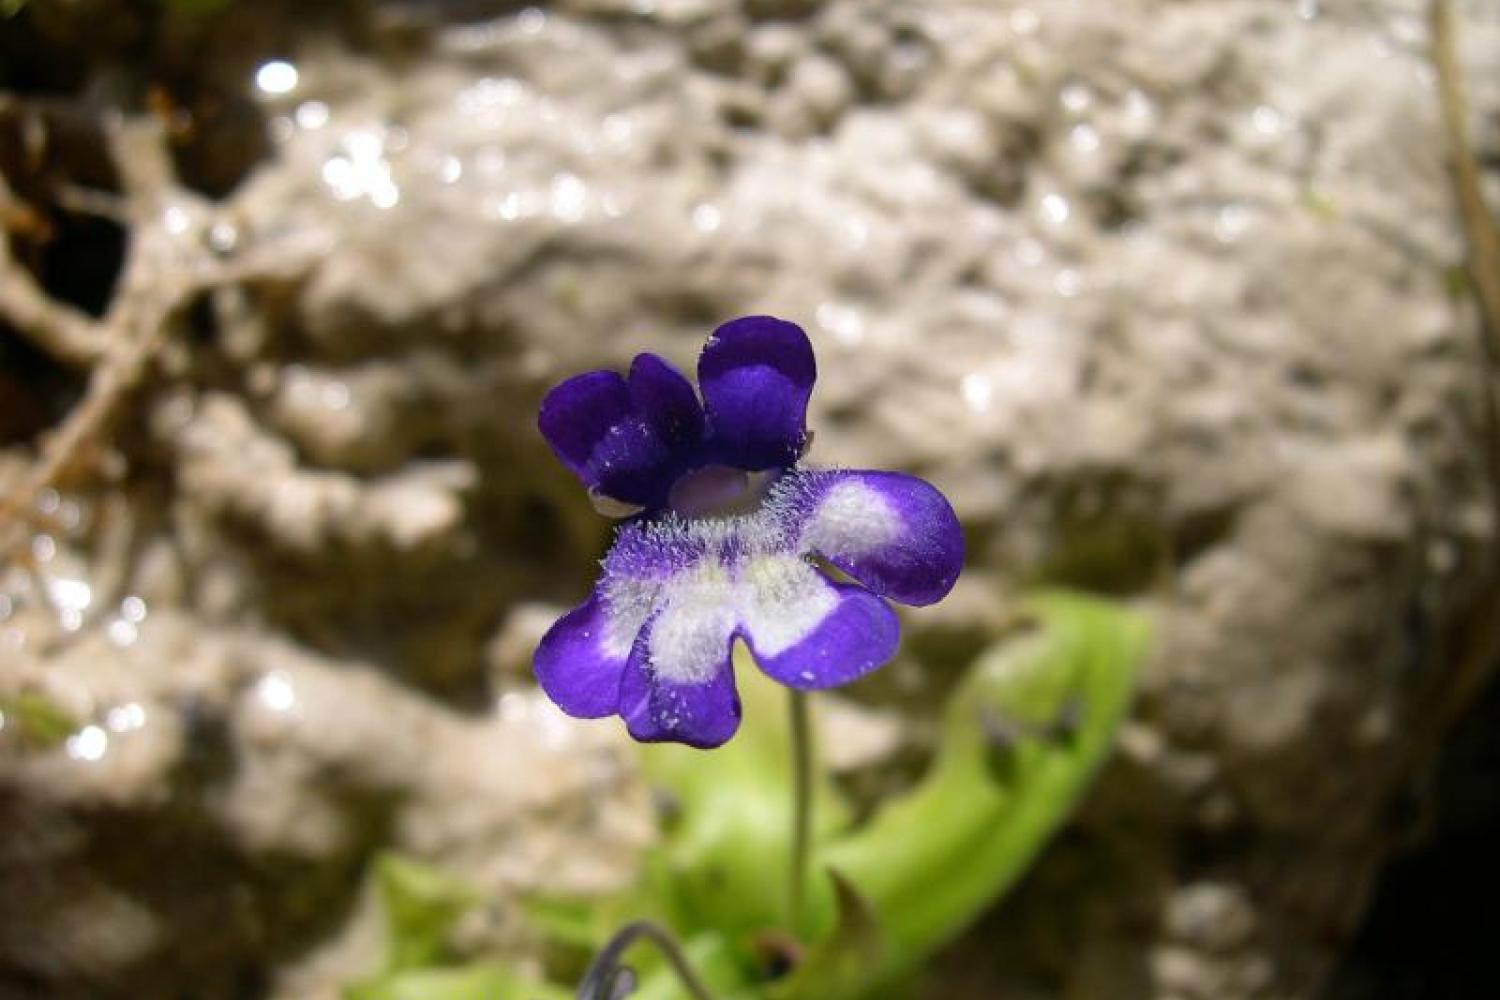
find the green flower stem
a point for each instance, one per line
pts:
(802, 805)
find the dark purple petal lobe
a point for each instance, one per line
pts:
(665, 399)
(756, 374)
(596, 425)
(575, 665)
(857, 634)
(702, 713)
(894, 533)
(579, 413)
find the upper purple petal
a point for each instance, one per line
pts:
(576, 665)
(756, 374)
(578, 414)
(664, 397)
(894, 533)
(626, 440)
(856, 633)
(702, 713)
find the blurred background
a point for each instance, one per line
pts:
(1170, 298)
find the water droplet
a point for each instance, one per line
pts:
(124, 718)
(531, 20)
(1084, 137)
(843, 321)
(1138, 105)
(223, 237)
(385, 196)
(276, 77)
(1231, 223)
(362, 170)
(1067, 282)
(275, 691)
(43, 548)
(1409, 30)
(977, 391)
(336, 396)
(176, 220)
(1055, 209)
(568, 197)
(1076, 98)
(618, 129)
(122, 633)
(1266, 120)
(311, 115)
(48, 500)
(70, 593)
(856, 232)
(88, 744)
(133, 609)
(706, 218)
(70, 514)
(451, 170)
(510, 207)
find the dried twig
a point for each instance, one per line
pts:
(165, 267)
(1479, 225)
(67, 334)
(1478, 641)
(154, 284)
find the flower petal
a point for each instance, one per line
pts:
(592, 423)
(894, 533)
(702, 712)
(665, 399)
(577, 415)
(810, 633)
(756, 374)
(581, 659)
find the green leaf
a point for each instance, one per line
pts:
(422, 905)
(40, 722)
(485, 981)
(839, 962)
(716, 962)
(725, 860)
(572, 922)
(1022, 737)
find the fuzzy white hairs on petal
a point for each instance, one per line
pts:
(852, 519)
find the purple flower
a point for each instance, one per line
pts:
(722, 547)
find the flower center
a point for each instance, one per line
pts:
(719, 491)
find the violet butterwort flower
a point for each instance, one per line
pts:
(726, 540)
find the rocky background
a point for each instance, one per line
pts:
(1167, 297)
